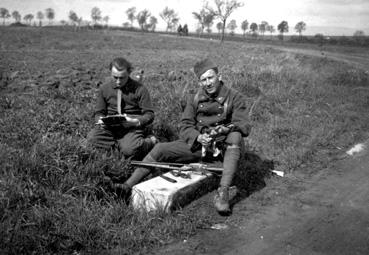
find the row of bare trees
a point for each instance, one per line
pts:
(146, 21)
(223, 10)
(264, 26)
(49, 13)
(219, 10)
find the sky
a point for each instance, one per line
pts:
(329, 17)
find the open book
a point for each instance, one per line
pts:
(111, 120)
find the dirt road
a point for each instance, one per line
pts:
(358, 59)
(329, 215)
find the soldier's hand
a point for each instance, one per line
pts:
(133, 122)
(100, 122)
(213, 132)
(221, 129)
(204, 139)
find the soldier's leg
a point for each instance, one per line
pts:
(230, 164)
(101, 138)
(231, 157)
(135, 145)
(176, 152)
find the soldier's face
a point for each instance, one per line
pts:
(210, 82)
(121, 77)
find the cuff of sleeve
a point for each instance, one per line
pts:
(97, 117)
(141, 121)
(145, 119)
(195, 145)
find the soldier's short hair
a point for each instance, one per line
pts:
(121, 64)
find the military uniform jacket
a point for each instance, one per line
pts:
(135, 100)
(202, 112)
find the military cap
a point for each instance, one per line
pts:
(204, 65)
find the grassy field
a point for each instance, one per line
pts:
(304, 110)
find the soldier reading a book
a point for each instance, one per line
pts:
(123, 112)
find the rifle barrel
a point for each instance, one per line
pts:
(155, 164)
(134, 162)
(177, 166)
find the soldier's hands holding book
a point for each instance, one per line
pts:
(122, 120)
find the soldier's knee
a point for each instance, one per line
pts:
(234, 139)
(128, 151)
(158, 150)
(95, 141)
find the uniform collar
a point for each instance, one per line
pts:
(220, 97)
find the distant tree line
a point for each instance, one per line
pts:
(206, 17)
(49, 13)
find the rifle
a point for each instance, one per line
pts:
(179, 170)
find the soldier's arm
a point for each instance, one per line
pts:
(188, 131)
(101, 106)
(240, 118)
(147, 109)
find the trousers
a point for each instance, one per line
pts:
(180, 152)
(130, 143)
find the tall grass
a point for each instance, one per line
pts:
(302, 109)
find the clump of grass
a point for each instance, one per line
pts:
(51, 202)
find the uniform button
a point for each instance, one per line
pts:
(201, 105)
(200, 121)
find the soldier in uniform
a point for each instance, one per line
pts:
(123, 96)
(214, 111)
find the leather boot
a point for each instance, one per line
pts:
(221, 200)
(122, 190)
(223, 197)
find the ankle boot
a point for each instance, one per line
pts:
(221, 200)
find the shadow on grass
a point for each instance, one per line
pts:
(253, 169)
(251, 176)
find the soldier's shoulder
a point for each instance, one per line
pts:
(236, 93)
(189, 97)
(136, 83)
